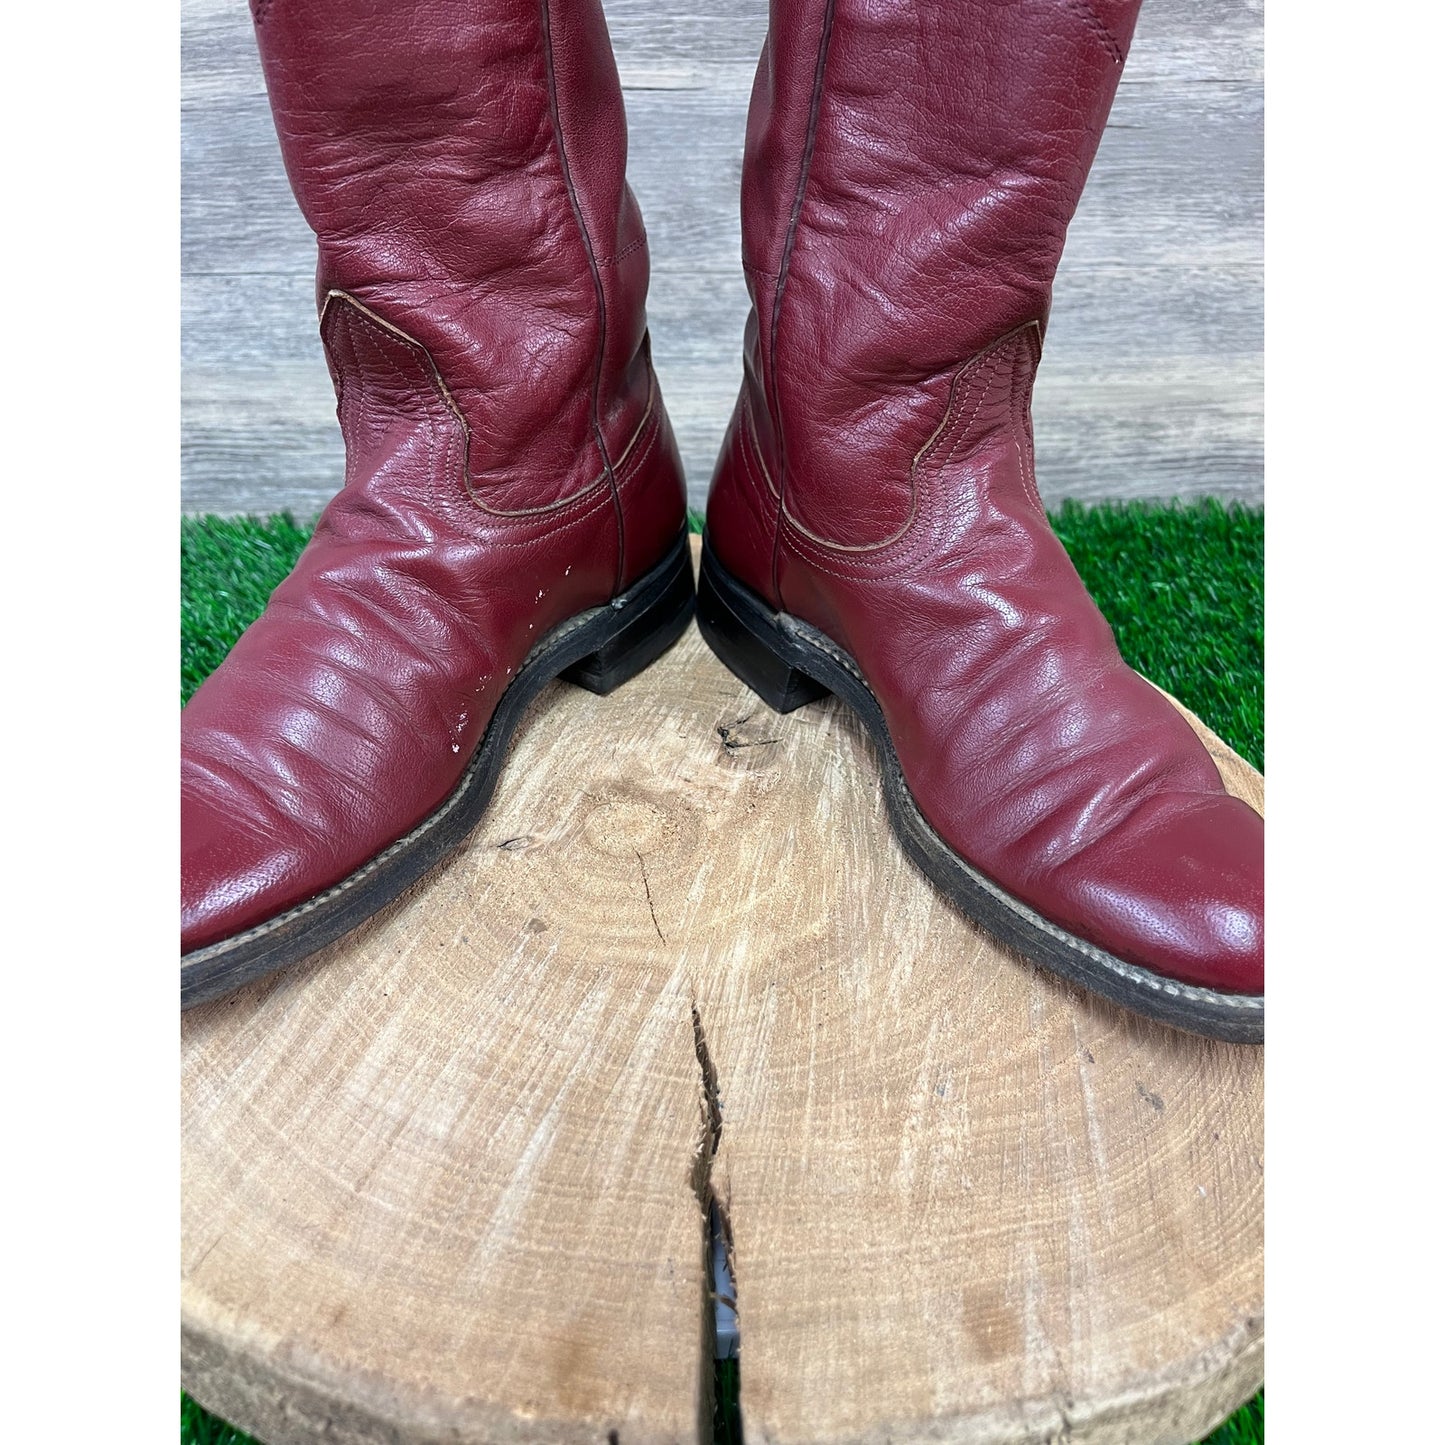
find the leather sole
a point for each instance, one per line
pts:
(599, 650)
(788, 663)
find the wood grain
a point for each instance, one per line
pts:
(446, 1182)
(1152, 381)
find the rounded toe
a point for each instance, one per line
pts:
(1179, 892)
(231, 880)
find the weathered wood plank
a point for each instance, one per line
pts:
(261, 425)
(1159, 301)
(445, 1182)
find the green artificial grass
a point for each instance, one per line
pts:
(1183, 588)
(1244, 1427)
(229, 567)
(1182, 585)
(198, 1427)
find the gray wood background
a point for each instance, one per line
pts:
(1152, 382)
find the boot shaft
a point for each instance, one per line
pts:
(911, 170)
(874, 528)
(463, 168)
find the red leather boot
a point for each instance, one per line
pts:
(513, 507)
(874, 529)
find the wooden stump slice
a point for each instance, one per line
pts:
(448, 1181)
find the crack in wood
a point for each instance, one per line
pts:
(647, 890)
(206, 1253)
(712, 1104)
(717, 1228)
(732, 743)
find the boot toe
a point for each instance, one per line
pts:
(1180, 892)
(233, 877)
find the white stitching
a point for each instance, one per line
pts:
(438, 386)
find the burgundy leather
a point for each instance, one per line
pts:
(911, 169)
(509, 463)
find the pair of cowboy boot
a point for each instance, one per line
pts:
(514, 505)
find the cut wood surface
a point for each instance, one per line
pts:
(1152, 380)
(448, 1180)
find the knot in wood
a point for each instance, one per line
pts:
(627, 827)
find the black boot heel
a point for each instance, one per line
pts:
(650, 617)
(745, 635)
